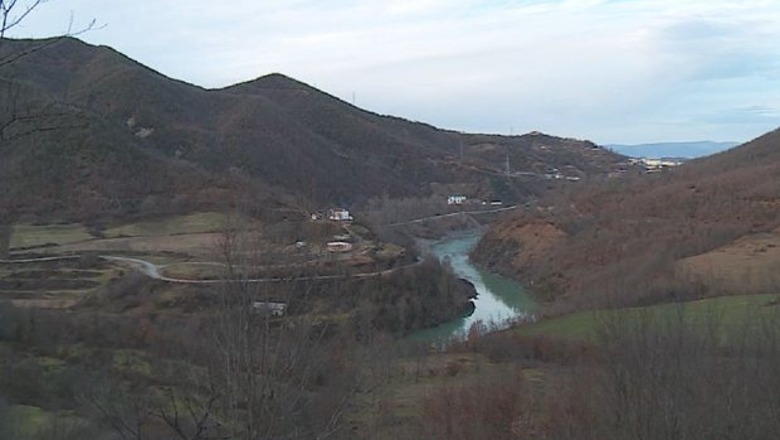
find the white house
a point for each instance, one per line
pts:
(456, 200)
(659, 163)
(270, 308)
(339, 214)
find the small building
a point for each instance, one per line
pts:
(269, 308)
(339, 246)
(456, 200)
(659, 164)
(339, 215)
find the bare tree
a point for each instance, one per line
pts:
(19, 117)
(14, 12)
(277, 376)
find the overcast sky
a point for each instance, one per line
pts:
(612, 71)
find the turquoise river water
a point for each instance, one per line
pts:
(499, 301)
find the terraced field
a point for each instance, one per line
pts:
(188, 247)
(53, 284)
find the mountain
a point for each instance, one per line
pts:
(709, 227)
(102, 133)
(687, 150)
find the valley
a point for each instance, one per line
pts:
(500, 302)
(267, 261)
(190, 249)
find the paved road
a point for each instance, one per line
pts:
(153, 271)
(42, 259)
(452, 214)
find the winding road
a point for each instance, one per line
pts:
(451, 214)
(154, 271)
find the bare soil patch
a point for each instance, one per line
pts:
(748, 265)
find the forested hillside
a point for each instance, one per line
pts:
(90, 131)
(630, 241)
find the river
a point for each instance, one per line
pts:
(499, 299)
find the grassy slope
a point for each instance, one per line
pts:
(77, 236)
(618, 241)
(185, 224)
(731, 312)
(749, 264)
(27, 235)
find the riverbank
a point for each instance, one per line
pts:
(499, 303)
(424, 245)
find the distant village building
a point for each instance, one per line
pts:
(339, 246)
(339, 215)
(654, 164)
(269, 308)
(456, 200)
(554, 175)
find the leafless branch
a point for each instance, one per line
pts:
(125, 418)
(9, 21)
(200, 416)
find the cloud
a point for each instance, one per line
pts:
(609, 70)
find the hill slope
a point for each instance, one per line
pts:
(631, 241)
(273, 133)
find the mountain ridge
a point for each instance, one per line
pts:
(288, 138)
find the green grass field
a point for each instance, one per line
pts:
(25, 421)
(185, 234)
(26, 235)
(184, 224)
(728, 313)
(194, 270)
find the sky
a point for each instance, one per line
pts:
(611, 71)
